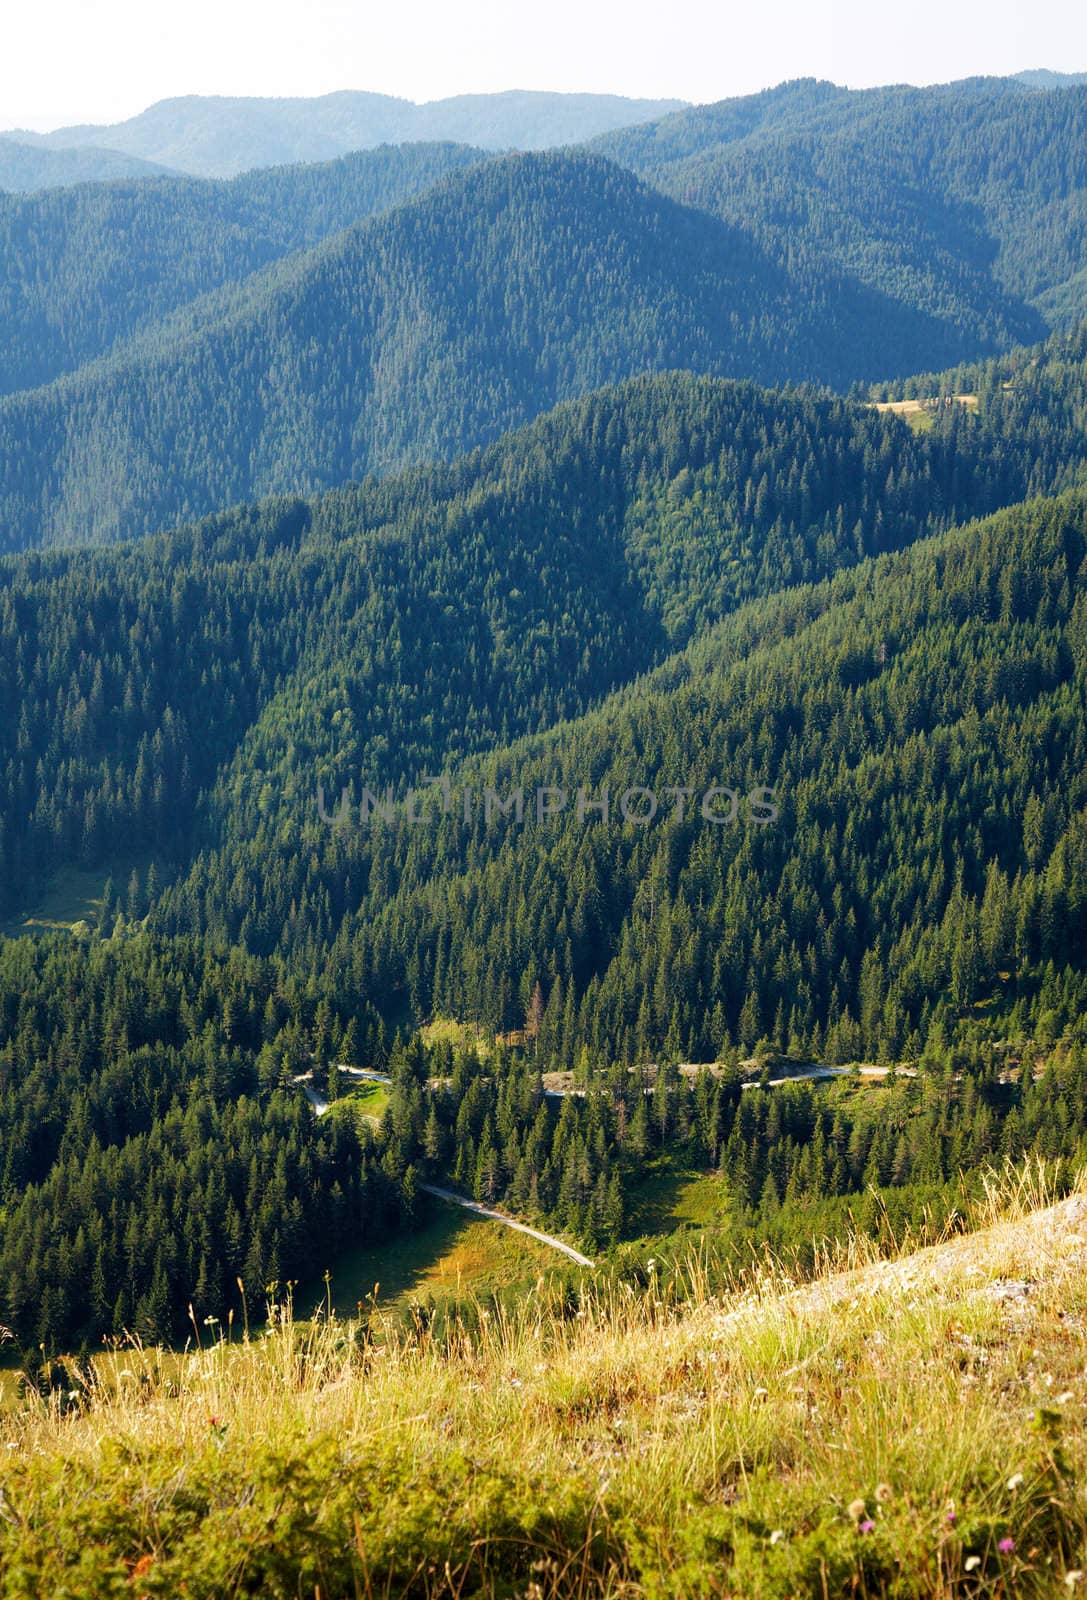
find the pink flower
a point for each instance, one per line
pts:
(1006, 1546)
(866, 1526)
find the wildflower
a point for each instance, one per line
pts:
(778, 1535)
(1063, 1399)
(1006, 1546)
(857, 1509)
(761, 1394)
(951, 1516)
(884, 1493)
(866, 1526)
(972, 1563)
(1014, 1481)
(1072, 1578)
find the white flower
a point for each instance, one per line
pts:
(1072, 1578)
(1014, 1481)
(777, 1536)
(972, 1563)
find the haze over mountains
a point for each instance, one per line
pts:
(218, 137)
(1043, 78)
(427, 331)
(172, 346)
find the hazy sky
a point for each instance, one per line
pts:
(102, 60)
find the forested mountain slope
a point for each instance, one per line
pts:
(85, 267)
(217, 136)
(967, 200)
(922, 726)
(436, 615)
(682, 584)
(492, 596)
(423, 332)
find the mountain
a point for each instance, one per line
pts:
(543, 852)
(83, 269)
(218, 137)
(948, 673)
(966, 201)
(25, 168)
(815, 235)
(423, 332)
(441, 613)
(489, 598)
(935, 696)
(797, 103)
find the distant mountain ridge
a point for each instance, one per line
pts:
(27, 167)
(162, 357)
(423, 332)
(940, 198)
(219, 137)
(1043, 78)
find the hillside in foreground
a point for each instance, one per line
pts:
(906, 1427)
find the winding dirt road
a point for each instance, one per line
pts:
(321, 1106)
(507, 1222)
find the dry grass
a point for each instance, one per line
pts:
(884, 1429)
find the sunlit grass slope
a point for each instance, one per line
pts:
(907, 1427)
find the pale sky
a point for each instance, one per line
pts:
(64, 61)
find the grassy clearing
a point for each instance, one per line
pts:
(453, 1257)
(370, 1100)
(909, 1428)
(918, 416)
(71, 902)
(668, 1196)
